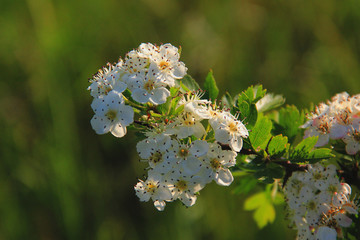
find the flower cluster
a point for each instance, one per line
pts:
(338, 119)
(184, 156)
(147, 72)
(319, 202)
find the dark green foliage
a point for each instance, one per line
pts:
(289, 121)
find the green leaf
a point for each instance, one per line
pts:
(264, 215)
(319, 154)
(278, 146)
(252, 94)
(303, 149)
(255, 201)
(248, 113)
(189, 84)
(264, 209)
(210, 87)
(260, 134)
(290, 119)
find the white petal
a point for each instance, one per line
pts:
(188, 199)
(199, 130)
(224, 177)
(160, 205)
(126, 115)
(100, 125)
(323, 140)
(140, 95)
(326, 233)
(337, 131)
(352, 147)
(120, 86)
(160, 95)
(343, 220)
(118, 130)
(191, 165)
(179, 70)
(145, 148)
(185, 131)
(236, 143)
(199, 148)
(223, 136)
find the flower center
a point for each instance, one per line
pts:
(232, 127)
(163, 65)
(181, 185)
(215, 164)
(183, 152)
(151, 187)
(111, 114)
(317, 176)
(311, 205)
(155, 157)
(356, 135)
(188, 119)
(333, 189)
(149, 85)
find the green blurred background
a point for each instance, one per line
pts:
(59, 180)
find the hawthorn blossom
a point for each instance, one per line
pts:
(111, 114)
(231, 131)
(107, 79)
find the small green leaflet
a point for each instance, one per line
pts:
(210, 87)
(290, 119)
(278, 146)
(305, 151)
(252, 94)
(264, 209)
(260, 134)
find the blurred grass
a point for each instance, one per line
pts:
(59, 180)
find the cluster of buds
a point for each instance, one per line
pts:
(338, 119)
(184, 156)
(319, 203)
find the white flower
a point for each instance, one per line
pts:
(318, 126)
(106, 80)
(148, 87)
(184, 187)
(187, 124)
(154, 153)
(231, 131)
(111, 114)
(217, 163)
(187, 156)
(321, 177)
(352, 139)
(153, 188)
(135, 62)
(167, 61)
(193, 104)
